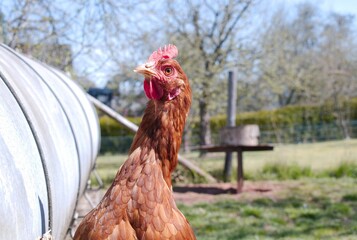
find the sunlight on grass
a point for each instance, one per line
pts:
(314, 157)
(302, 214)
(327, 159)
(319, 200)
(318, 156)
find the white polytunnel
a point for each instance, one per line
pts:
(49, 140)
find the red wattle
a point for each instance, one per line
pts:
(147, 89)
(153, 90)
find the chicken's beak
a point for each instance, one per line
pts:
(146, 69)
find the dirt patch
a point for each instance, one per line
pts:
(196, 193)
(192, 194)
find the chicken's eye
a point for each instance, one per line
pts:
(168, 71)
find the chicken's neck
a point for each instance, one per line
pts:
(161, 130)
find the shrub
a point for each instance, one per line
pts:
(350, 197)
(282, 171)
(115, 144)
(345, 169)
(290, 124)
(110, 127)
(115, 138)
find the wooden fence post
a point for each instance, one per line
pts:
(231, 121)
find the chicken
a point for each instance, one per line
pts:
(139, 204)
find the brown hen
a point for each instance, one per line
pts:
(139, 204)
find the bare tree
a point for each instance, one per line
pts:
(289, 57)
(210, 36)
(61, 33)
(38, 28)
(310, 59)
(338, 58)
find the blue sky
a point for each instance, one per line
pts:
(100, 76)
(339, 6)
(342, 6)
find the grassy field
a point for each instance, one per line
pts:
(317, 159)
(320, 202)
(317, 156)
(319, 209)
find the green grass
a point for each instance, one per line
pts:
(326, 159)
(290, 161)
(320, 209)
(319, 202)
(107, 167)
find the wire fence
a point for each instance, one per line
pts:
(310, 133)
(284, 135)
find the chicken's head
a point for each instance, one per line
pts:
(164, 77)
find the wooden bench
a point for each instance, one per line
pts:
(239, 149)
(238, 139)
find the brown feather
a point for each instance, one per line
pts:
(139, 204)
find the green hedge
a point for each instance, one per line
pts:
(115, 138)
(110, 127)
(116, 144)
(290, 124)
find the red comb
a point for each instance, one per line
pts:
(169, 51)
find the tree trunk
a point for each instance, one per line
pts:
(205, 129)
(343, 119)
(186, 140)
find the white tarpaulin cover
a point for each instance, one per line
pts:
(49, 139)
